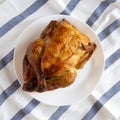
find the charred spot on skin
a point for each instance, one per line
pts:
(41, 87)
(26, 87)
(33, 83)
(31, 86)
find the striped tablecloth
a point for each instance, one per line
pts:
(103, 16)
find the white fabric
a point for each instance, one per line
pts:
(18, 100)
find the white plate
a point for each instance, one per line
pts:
(87, 78)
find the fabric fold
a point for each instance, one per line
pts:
(103, 17)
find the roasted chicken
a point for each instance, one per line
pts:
(52, 60)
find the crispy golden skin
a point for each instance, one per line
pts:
(52, 61)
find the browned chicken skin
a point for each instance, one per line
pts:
(52, 61)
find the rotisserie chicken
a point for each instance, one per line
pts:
(53, 59)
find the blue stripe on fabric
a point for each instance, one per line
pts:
(99, 104)
(4, 61)
(16, 20)
(114, 57)
(99, 10)
(58, 112)
(26, 110)
(108, 30)
(60, 107)
(9, 91)
(69, 8)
